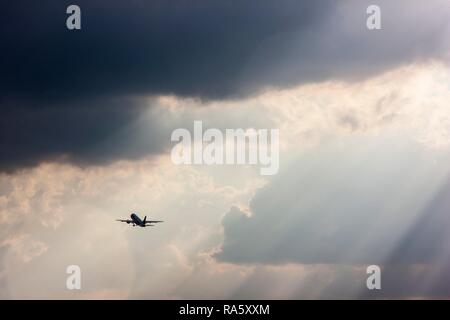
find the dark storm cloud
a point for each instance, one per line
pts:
(72, 94)
(206, 48)
(195, 48)
(64, 92)
(95, 131)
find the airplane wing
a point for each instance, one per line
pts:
(153, 221)
(127, 221)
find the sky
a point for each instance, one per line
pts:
(86, 118)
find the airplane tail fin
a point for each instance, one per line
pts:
(145, 219)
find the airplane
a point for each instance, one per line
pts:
(136, 221)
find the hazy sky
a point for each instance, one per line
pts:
(85, 124)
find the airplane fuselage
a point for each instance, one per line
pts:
(137, 220)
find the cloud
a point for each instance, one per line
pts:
(3, 279)
(296, 281)
(77, 95)
(209, 49)
(72, 104)
(339, 207)
(71, 211)
(193, 48)
(82, 132)
(368, 200)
